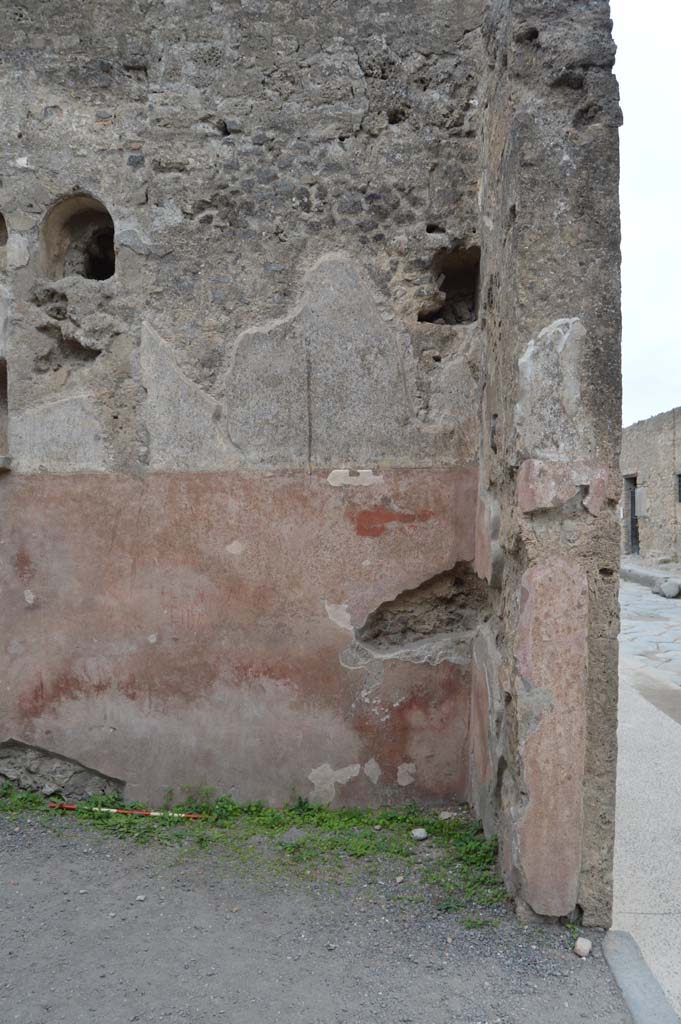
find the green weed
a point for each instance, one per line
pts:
(460, 866)
(16, 800)
(573, 930)
(471, 923)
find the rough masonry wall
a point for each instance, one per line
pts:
(545, 664)
(651, 452)
(252, 422)
(311, 326)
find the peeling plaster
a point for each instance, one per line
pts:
(406, 774)
(549, 414)
(63, 433)
(339, 615)
(372, 770)
(450, 647)
(325, 778)
(185, 423)
(344, 478)
(532, 706)
(18, 253)
(549, 484)
(235, 548)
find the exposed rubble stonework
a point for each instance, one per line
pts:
(651, 495)
(309, 409)
(50, 774)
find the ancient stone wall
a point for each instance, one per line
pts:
(310, 418)
(544, 691)
(241, 284)
(651, 453)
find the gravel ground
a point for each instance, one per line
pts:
(213, 941)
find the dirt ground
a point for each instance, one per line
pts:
(213, 941)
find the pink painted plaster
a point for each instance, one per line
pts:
(189, 628)
(544, 485)
(551, 653)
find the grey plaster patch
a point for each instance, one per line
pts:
(167, 215)
(335, 381)
(324, 778)
(355, 657)
(488, 764)
(345, 478)
(372, 770)
(406, 774)
(532, 706)
(450, 647)
(549, 419)
(130, 238)
(182, 419)
(339, 615)
(18, 252)
(330, 379)
(63, 435)
(21, 220)
(331, 376)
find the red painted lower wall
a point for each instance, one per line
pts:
(188, 629)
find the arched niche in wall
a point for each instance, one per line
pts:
(77, 237)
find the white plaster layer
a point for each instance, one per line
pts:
(324, 778)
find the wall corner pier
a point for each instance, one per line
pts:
(546, 681)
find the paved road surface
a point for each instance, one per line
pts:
(648, 847)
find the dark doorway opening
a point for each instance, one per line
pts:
(633, 543)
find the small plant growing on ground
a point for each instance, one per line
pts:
(15, 800)
(458, 863)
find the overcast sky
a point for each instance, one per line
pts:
(648, 67)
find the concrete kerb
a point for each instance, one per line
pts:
(641, 991)
(644, 577)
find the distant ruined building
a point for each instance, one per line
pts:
(310, 405)
(651, 498)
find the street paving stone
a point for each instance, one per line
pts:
(648, 845)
